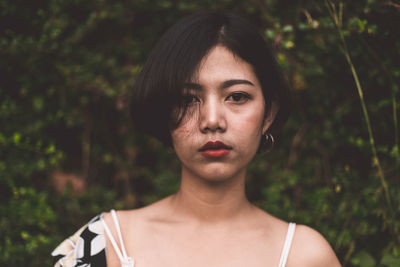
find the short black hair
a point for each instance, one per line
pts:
(159, 86)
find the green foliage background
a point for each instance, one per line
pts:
(66, 68)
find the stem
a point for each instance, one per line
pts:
(396, 127)
(394, 90)
(375, 160)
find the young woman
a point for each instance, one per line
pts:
(212, 89)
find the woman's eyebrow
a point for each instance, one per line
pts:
(225, 84)
(230, 83)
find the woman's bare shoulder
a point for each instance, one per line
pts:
(135, 225)
(143, 215)
(310, 248)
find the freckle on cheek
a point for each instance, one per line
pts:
(188, 127)
(186, 133)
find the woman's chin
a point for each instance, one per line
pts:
(216, 173)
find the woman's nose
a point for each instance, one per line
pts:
(212, 117)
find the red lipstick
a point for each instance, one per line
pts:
(215, 149)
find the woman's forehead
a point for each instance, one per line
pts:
(220, 65)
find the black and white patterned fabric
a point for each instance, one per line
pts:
(86, 248)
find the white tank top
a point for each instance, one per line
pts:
(129, 262)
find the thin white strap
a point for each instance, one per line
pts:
(125, 260)
(114, 244)
(287, 244)
(114, 215)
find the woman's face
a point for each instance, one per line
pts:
(224, 121)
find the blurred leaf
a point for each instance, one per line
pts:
(390, 260)
(363, 259)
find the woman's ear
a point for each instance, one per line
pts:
(271, 117)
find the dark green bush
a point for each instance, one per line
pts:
(68, 151)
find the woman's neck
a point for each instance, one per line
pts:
(211, 201)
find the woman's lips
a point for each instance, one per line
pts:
(215, 149)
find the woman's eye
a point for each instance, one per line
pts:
(239, 97)
(190, 99)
